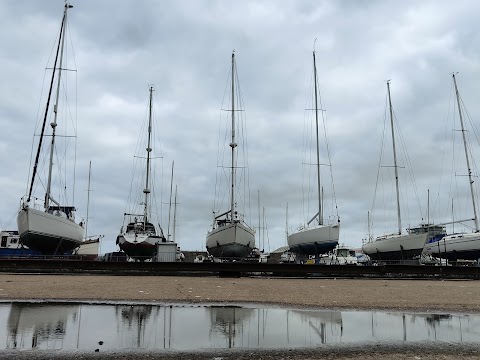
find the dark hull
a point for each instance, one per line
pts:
(396, 255)
(230, 251)
(48, 245)
(313, 248)
(458, 255)
(140, 251)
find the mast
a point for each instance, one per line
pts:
(453, 219)
(263, 229)
(170, 203)
(320, 215)
(48, 195)
(233, 145)
(394, 160)
(259, 221)
(369, 227)
(466, 155)
(174, 214)
(286, 224)
(48, 104)
(146, 191)
(88, 198)
(428, 207)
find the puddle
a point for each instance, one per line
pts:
(67, 326)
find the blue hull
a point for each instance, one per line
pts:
(18, 252)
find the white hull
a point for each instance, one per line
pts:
(395, 247)
(314, 240)
(89, 247)
(47, 232)
(456, 246)
(231, 240)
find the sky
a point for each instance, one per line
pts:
(183, 48)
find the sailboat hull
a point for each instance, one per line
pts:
(395, 247)
(48, 233)
(314, 240)
(232, 240)
(139, 246)
(455, 247)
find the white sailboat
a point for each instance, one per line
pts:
(315, 237)
(465, 246)
(50, 228)
(398, 246)
(230, 236)
(90, 245)
(139, 237)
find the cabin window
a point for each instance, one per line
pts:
(4, 241)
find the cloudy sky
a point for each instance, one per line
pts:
(183, 48)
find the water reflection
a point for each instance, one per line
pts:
(228, 322)
(326, 324)
(175, 327)
(30, 326)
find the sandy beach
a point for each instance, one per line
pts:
(453, 296)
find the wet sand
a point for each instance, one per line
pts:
(451, 296)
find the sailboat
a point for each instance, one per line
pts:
(465, 246)
(315, 237)
(139, 237)
(91, 243)
(51, 230)
(230, 236)
(399, 246)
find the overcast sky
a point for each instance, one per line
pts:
(183, 48)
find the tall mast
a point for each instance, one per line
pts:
(320, 215)
(146, 191)
(48, 196)
(233, 144)
(170, 204)
(259, 221)
(466, 155)
(48, 105)
(263, 229)
(286, 224)
(174, 214)
(428, 207)
(394, 160)
(88, 199)
(368, 227)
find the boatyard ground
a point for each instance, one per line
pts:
(452, 296)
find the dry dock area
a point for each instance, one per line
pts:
(408, 295)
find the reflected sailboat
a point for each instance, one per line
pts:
(39, 326)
